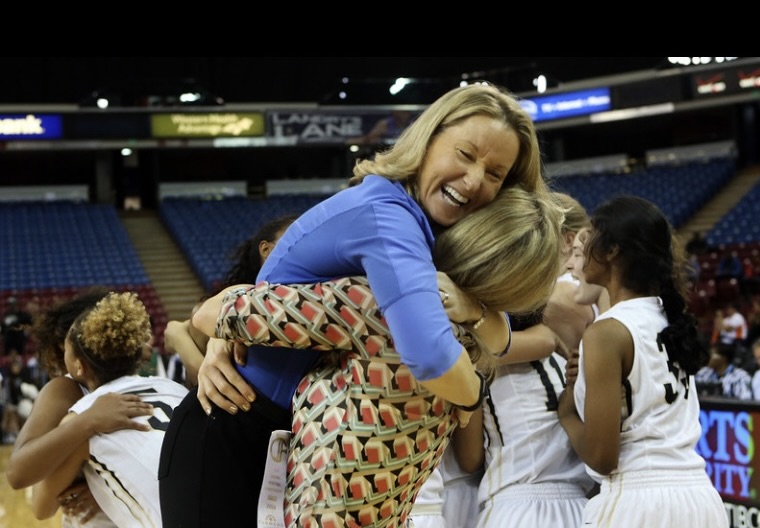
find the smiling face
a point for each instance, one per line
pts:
(465, 167)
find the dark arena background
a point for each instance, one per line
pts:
(144, 174)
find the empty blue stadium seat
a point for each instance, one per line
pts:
(209, 230)
(60, 244)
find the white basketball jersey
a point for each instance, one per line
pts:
(122, 472)
(525, 443)
(659, 405)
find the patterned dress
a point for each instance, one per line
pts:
(366, 434)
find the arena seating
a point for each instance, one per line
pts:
(740, 224)
(209, 230)
(53, 250)
(679, 190)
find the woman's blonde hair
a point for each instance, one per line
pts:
(506, 254)
(576, 216)
(402, 162)
(111, 335)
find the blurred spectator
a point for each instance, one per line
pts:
(152, 363)
(730, 326)
(730, 267)
(17, 396)
(721, 377)
(35, 372)
(749, 283)
(15, 327)
(756, 375)
(753, 323)
(692, 270)
(175, 369)
(697, 244)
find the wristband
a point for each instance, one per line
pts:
(481, 396)
(483, 313)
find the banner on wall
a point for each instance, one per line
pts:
(30, 126)
(326, 127)
(730, 434)
(570, 104)
(727, 81)
(198, 125)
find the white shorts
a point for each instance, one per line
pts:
(460, 501)
(423, 517)
(657, 498)
(534, 505)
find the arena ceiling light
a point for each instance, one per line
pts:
(397, 86)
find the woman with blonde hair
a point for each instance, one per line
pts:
(506, 255)
(449, 163)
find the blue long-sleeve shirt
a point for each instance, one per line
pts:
(374, 229)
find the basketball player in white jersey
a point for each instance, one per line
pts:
(632, 415)
(41, 445)
(102, 352)
(532, 475)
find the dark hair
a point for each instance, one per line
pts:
(726, 350)
(246, 260)
(652, 264)
(50, 327)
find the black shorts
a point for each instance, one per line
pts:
(212, 467)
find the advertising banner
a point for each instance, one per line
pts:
(30, 126)
(726, 81)
(570, 104)
(326, 126)
(728, 445)
(200, 125)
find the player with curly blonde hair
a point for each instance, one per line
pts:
(103, 351)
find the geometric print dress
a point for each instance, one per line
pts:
(365, 434)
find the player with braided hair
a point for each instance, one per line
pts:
(632, 414)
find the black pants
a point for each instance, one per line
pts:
(212, 467)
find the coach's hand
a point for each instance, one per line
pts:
(219, 383)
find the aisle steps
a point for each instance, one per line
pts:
(175, 283)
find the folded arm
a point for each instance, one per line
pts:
(43, 444)
(46, 494)
(331, 315)
(182, 338)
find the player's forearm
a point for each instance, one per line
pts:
(178, 339)
(204, 319)
(459, 385)
(467, 443)
(40, 456)
(536, 342)
(44, 504)
(45, 494)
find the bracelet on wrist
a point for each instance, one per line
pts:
(481, 394)
(483, 313)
